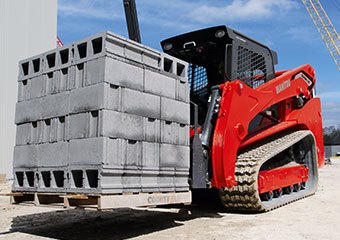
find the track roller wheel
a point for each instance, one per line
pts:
(288, 190)
(297, 187)
(267, 196)
(277, 193)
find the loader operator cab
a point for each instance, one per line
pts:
(219, 54)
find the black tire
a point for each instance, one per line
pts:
(268, 196)
(287, 190)
(297, 187)
(277, 193)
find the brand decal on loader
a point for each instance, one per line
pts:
(282, 86)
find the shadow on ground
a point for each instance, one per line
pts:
(115, 224)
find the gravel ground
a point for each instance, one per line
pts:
(316, 217)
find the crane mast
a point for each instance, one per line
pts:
(325, 27)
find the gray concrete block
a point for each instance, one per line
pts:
(54, 105)
(131, 181)
(91, 47)
(56, 81)
(28, 111)
(71, 83)
(172, 110)
(52, 179)
(65, 56)
(152, 58)
(64, 76)
(52, 154)
(115, 154)
(76, 180)
(116, 72)
(46, 130)
(166, 181)
(84, 125)
(152, 130)
(24, 88)
(174, 133)
(111, 181)
(159, 84)
(108, 124)
(140, 103)
(24, 70)
(115, 44)
(184, 135)
(31, 67)
(150, 156)
(79, 75)
(36, 132)
(51, 82)
(25, 179)
(182, 70)
(23, 134)
(81, 51)
(149, 181)
(182, 91)
(106, 152)
(37, 87)
(62, 128)
(79, 126)
(176, 67)
(54, 130)
(90, 151)
(25, 156)
(168, 63)
(169, 132)
(50, 61)
(96, 71)
(121, 125)
(133, 155)
(174, 156)
(181, 180)
(134, 52)
(95, 97)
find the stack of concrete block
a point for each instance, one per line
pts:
(102, 115)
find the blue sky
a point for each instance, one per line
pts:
(284, 25)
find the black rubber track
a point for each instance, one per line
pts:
(245, 196)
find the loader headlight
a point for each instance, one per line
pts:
(167, 46)
(220, 33)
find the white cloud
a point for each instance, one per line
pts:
(241, 10)
(180, 12)
(97, 9)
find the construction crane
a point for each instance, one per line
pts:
(325, 27)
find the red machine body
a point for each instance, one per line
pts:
(270, 180)
(256, 133)
(240, 104)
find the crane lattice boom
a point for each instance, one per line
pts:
(325, 27)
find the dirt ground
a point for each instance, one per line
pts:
(316, 217)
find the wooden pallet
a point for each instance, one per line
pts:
(101, 201)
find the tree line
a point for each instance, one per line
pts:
(331, 135)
